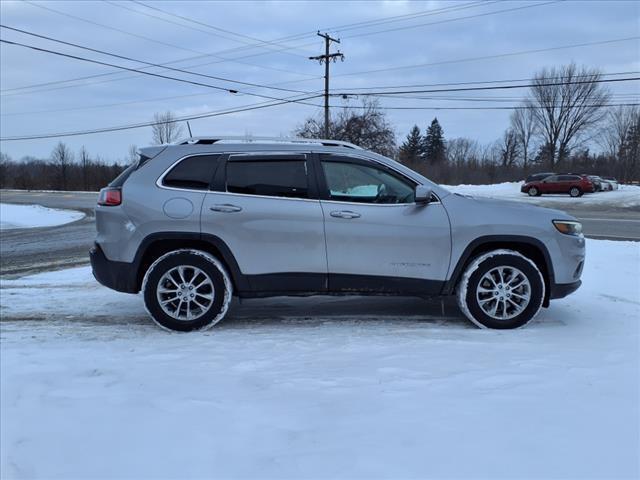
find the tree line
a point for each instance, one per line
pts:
(566, 111)
(63, 170)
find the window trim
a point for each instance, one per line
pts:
(160, 180)
(220, 179)
(325, 195)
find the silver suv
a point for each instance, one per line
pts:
(194, 223)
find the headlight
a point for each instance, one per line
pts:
(568, 227)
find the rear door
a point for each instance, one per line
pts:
(378, 238)
(266, 209)
(550, 184)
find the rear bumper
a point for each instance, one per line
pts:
(120, 276)
(561, 290)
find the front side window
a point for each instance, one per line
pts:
(193, 173)
(355, 182)
(273, 178)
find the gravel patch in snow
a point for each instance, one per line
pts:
(31, 216)
(95, 389)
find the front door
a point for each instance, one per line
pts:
(378, 238)
(268, 214)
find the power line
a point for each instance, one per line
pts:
(512, 107)
(160, 42)
(123, 57)
(407, 27)
(148, 124)
(158, 75)
(494, 87)
(342, 27)
(481, 82)
(487, 57)
(256, 42)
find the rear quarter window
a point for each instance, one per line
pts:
(193, 173)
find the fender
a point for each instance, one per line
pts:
(450, 284)
(239, 279)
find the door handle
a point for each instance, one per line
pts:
(225, 208)
(344, 214)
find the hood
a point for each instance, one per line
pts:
(516, 207)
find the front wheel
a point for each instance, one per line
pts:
(575, 192)
(501, 289)
(187, 290)
(533, 192)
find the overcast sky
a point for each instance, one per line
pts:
(433, 43)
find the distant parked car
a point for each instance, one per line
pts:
(537, 177)
(612, 182)
(598, 184)
(574, 185)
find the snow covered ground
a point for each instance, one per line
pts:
(625, 196)
(30, 216)
(310, 388)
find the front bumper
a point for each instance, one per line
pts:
(561, 290)
(120, 276)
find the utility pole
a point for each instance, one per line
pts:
(326, 59)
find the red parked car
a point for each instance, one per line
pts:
(574, 185)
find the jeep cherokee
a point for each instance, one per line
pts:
(195, 223)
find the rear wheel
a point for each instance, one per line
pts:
(501, 289)
(187, 290)
(575, 192)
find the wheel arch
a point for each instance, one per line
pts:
(157, 244)
(531, 248)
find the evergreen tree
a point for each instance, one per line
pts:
(411, 149)
(433, 143)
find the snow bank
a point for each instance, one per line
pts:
(625, 196)
(325, 387)
(30, 216)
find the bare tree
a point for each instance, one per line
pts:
(85, 162)
(462, 151)
(567, 102)
(165, 128)
(619, 122)
(133, 154)
(366, 126)
(523, 124)
(5, 160)
(509, 148)
(62, 157)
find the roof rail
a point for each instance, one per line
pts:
(252, 139)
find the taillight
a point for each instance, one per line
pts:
(110, 197)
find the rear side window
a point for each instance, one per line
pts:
(568, 178)
(193, 173)
(273, 178)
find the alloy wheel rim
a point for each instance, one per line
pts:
(503, 292)
(185, 292)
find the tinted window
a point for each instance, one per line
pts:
(568, 178)
(553, 178)
(274, 178)
(192, 173)
(354, 182)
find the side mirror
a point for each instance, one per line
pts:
(423, 194)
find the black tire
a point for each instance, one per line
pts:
(468, 287)
(221, 290)
(533, 192)
(575, 192)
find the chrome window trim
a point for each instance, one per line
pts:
(287, 152)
